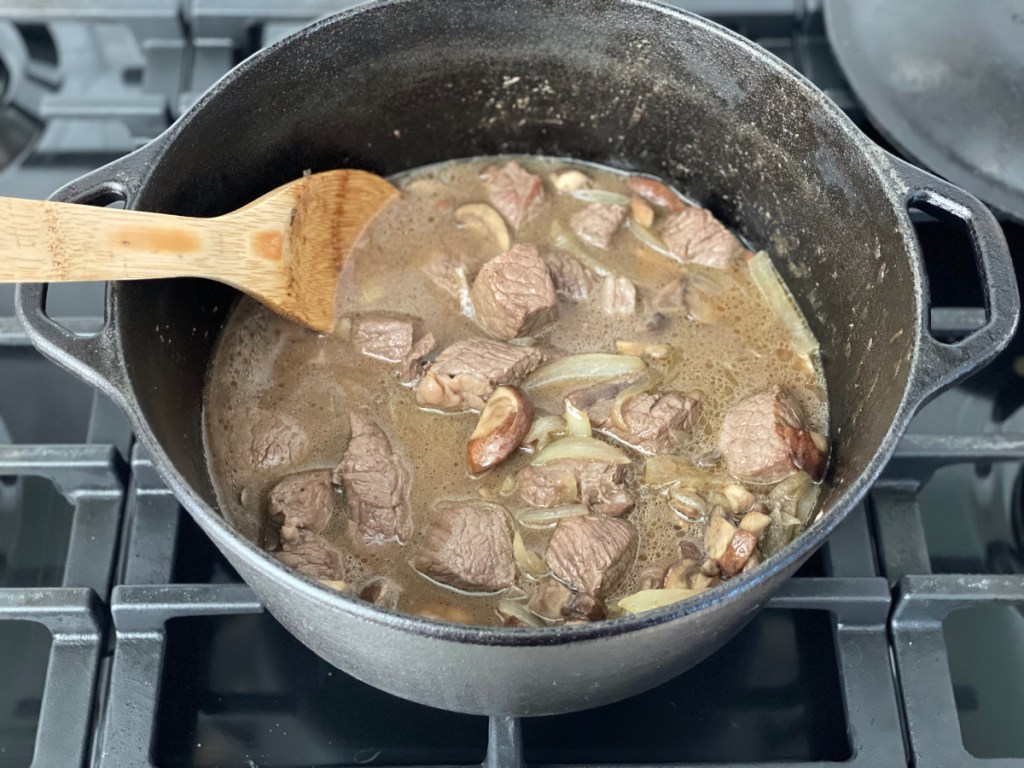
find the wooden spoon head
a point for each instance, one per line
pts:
(302, 235)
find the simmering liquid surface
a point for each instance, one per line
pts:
(265, 365)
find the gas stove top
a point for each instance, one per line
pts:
(127, 640)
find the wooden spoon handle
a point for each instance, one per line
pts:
(43, 241)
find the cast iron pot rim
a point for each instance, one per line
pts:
(789, 557)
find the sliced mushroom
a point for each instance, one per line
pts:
(643, 349)
(655, 192)
(738, 497)
(718, 535)
(641, 212)
(680, 574)
(484, 221)
(738, 552)
(566, 180)
(756, 521)
(504, 422)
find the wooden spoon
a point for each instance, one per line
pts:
(285, 249)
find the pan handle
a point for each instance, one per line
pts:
(941, 365)
(95, 358)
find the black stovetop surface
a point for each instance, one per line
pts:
(126, 639)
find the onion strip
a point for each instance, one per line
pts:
(647, 237)
(542, 518)
(577, 422)
(602, 196)
(649, 599)
(782, 303)
(584, 448)
(543, 430)
(518, 611)
(624, 397)
(529, 562)
(594, 365)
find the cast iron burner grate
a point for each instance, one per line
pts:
(160, 656)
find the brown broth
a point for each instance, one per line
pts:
(264, 363)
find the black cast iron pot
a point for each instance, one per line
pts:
(400, 84)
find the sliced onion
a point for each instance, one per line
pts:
(645, 236)
(529, 562)
(586, 367)
(602, 196)
(520, 612)
(543, 518)
(577, 422)
(563, 239)
(649, 599)
(543, 430)
(624, 397)
(582, 448)
(465, 300)
(782, 303)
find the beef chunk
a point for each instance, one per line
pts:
(311, 556)
(384, 336)
(597, 223)
(651, 418)
(277, 441)
(763, 439)
(468, 546)
(513, 293)
(573, 281)
(516, 193)
(597, 484)
(376, 480)
(592, 553)
(583, 606)
(695, 236)
(617, 295)
(465, 374)
(412, 362)
(302, 502)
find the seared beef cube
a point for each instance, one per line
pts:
(277, 441)
(469, 547)
(592, 553)
(763, 439)
(381, 591)
(513, 293)
(597, 484)
(376, 481)
(616, 295)
(385, 337)
(651, 418)
(573, 281)
(302, 502)
(601, 487)
(465, 374)
(551, 485)
(516, 193)
(694, 236)
(412, 362)
(311, 556)
(597, 223)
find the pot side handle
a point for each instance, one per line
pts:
(941, 365)
(95, 358)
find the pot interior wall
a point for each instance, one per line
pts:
(407, 83)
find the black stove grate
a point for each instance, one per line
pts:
(854, 661)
